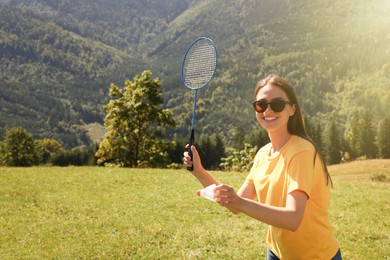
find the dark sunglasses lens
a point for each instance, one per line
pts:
(278, 105)
(259, 106)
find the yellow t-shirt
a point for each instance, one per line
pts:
(274, 177)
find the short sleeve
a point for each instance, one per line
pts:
(301, 172)
(249, 178)
(259, 158)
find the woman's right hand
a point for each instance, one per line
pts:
(195, 161)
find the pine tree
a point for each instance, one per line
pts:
(367, 145)
(361, 137)
(383, 139)
(333, 146)
(219, 151)
(314, 130)
(205, 151)
(238, 137)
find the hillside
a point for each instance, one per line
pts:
(59, 58)
(337, 58)
(361, 171)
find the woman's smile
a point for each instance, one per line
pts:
(268, 118)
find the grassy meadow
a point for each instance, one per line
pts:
(114, 213)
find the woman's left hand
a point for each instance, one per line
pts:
(227, 197)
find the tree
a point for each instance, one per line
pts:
(240, 160)
(383, 139)
(46, 149)
(367, 144)
(18, 148)
(314, 130)
(361, 137)
(238, 137)
(135, 124)
(77, 156)
(333, 145)
(219, 151)
(258, 137)
(206, 150)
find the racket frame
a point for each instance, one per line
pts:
(192, 136)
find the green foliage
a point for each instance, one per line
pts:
(46, 149)
(211, 151)
(258, 137)
(384, 138)
(239, 160)
(135, 122)
(76, 156)
(238, 140)
(51, 77)
(18, 148)
(56, 59)
(379, 177)
(361, 137)
(314, 130)
(333, 150)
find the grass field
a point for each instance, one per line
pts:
(109, 213)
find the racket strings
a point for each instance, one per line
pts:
(200, 65)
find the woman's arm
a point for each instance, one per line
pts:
(204, 177)
(288, 217)
(247, 191)
(243, 201)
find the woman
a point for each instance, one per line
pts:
(288, 187)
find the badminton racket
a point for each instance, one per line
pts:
(198, 68)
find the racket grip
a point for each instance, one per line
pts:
(192, 140)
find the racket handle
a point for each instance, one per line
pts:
(192, 140)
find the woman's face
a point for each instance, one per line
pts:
(270, 120)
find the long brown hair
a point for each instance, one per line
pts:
(295, 123)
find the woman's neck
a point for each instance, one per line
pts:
(278, 140)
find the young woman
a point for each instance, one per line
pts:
(288, 187)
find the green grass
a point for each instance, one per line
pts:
(109, 213)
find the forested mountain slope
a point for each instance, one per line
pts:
(59, 57)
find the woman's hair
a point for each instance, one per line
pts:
(295, 123)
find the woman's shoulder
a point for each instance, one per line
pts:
(263, 151)
(299, 144)
(265, 147)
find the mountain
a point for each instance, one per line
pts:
(58, 59)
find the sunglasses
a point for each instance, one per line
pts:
(276, 105)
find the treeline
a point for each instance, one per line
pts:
(18, 148)
(361, 142)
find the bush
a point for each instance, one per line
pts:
(76, 157)
(18, 148)
(379, 177)
(240, 160)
